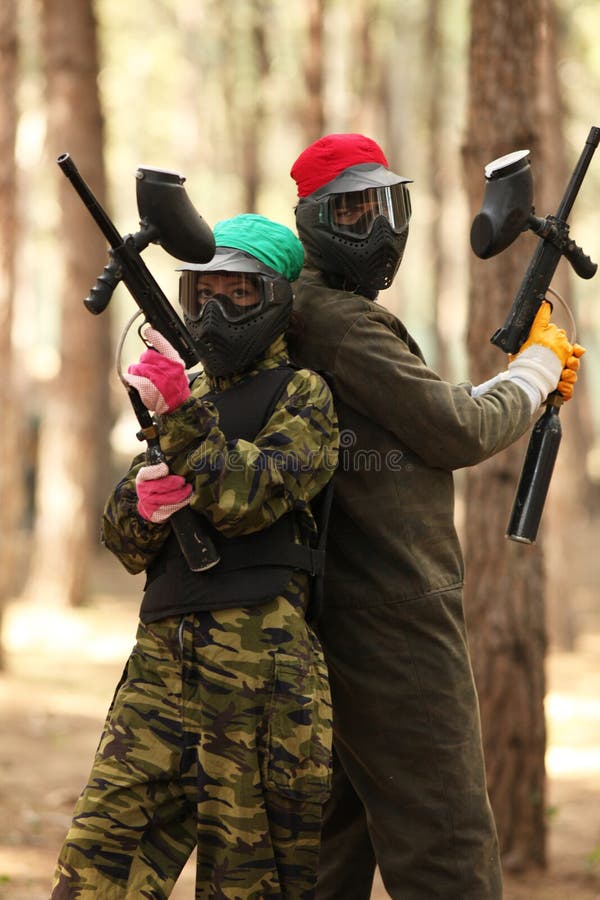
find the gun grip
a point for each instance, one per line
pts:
(197, 547)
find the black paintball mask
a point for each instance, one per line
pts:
(355, 227)
(234, 307)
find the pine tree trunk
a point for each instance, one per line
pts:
(505, 580)
(439, 260)
(11, 472)
(313, 115)
(73, 454)
(566, 502)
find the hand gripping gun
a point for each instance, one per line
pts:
(168, 218)
(506, 212)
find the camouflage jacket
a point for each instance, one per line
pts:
(240, 486)
(402, 432)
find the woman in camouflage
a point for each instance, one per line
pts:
(219, 733)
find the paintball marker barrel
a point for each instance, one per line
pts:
(98, 214)
(591, 143)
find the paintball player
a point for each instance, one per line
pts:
(219, 734)
(409, 789)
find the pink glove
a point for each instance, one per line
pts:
(159, 377)
(159, 493)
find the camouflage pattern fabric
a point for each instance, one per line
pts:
(219, 735)
(240, 486)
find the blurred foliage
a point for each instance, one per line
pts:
(579, 71)
(177, 80)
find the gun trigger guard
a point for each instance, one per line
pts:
(141, 336)
(121, 342)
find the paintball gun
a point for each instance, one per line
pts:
(506, 212)
(168, 218)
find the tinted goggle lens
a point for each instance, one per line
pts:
(239, 295)
(354, 212)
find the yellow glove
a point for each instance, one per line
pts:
(544, 333)
(537, 367)
(568, 376)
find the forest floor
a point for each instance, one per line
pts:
(61, 672)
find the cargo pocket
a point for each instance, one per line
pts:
(297, 761)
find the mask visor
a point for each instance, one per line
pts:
(239, 295)
(354, 212)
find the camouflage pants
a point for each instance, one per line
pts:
(218, 738)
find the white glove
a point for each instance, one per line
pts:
(536, 368)
(478, 389)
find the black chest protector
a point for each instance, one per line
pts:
(254, 567)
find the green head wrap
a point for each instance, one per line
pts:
(273, 244)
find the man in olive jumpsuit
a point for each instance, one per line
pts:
(409, 791)
(219, 735)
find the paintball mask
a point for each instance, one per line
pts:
(356, 226)
(234, 307)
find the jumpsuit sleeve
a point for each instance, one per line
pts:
(244, 486)
(239, 486)
(380, 374)
(133, 540)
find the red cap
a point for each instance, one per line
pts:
(326, 158)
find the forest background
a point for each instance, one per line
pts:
(228, 93)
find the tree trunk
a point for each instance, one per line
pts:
(505, 580)
(438, 263)
(74, 453)
(11, 472)
(570, 484)
(253, 107)
(366, 74)
(244, 39)
(314, 113)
